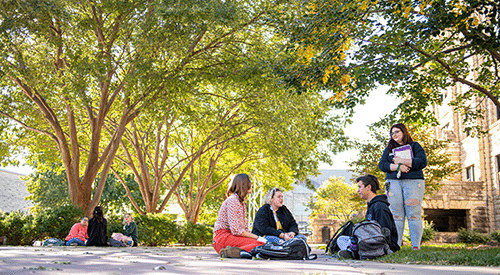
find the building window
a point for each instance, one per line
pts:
(469, 173)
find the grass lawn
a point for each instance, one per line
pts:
(447, 254)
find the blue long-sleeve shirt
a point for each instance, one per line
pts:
(418, 162)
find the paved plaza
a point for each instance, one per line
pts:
(192, 260)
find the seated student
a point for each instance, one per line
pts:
(378, 210)
(130, 237)
(78, 233)
(274, 221)
(98, 228)
(232, 238)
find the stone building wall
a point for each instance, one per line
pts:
(467, 196)
(317, 226)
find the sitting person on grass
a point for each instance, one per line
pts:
(98, 228)
(130, 237)
(78, 233)
(232, 238)
(378, 210)
(274, 221)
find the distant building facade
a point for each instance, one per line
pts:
(470, 199)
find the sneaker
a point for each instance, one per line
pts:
(345, 254)
(73, 244)
(230, 252)
(343, 242)
(246, 255)
(415, 248)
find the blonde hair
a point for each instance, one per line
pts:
(270, 194)
(239, 185)
(129, 214)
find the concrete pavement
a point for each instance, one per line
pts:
(192, 260)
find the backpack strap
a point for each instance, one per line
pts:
(336, 234)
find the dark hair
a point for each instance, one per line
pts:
(370, 180)
(240, 186)
(98, 215)
(406, 136)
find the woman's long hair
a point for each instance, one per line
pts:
(406, 136)
(239, 185)
(98, 215)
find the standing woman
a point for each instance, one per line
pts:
(232, 238)
(97, 229)
(405, 184)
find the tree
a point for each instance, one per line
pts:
(337, 199)
(439, 165)
(70, 71)
(49, 190)
(418, 48)
(198, 145)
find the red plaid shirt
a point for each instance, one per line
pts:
(232, 216)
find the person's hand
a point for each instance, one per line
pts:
(291, 234)
(404, 169)
(262, 239)
(287, 237)
(397, 160)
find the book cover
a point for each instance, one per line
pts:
(403, 152)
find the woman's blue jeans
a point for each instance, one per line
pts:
(405, 197)
(275, 239)
(75, 240)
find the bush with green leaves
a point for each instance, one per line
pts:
(56, 222)
(472, 236)
(495, 235)
(18, 228)
(427, 235)
(156, 230)
(195, 234)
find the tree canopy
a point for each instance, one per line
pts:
(84, 81)
(417, 47)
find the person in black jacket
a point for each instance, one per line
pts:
(97, 229)
(274, 221)
(378, 208)
(402, 161)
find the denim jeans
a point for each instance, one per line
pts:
(75, 240)
(275, 239)
(405, 197)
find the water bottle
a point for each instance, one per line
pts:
(354, 243)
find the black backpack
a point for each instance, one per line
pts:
(293, 249)
(344, 230)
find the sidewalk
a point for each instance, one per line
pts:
(192, 260)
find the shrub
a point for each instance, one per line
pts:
(495, 235)
(57, 222)
(195, 234)
(472, 236)
(156, 230)
(115, 224)
(429, 231)
(18, 228)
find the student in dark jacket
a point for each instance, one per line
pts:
(378, 208)
(97, 229)
(402, 161)
(274, 221)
